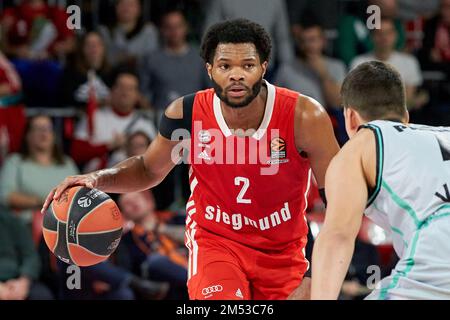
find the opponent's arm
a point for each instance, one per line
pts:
(314, 135)
(134, 174)
(347, 180)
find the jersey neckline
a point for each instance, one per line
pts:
(259, 133)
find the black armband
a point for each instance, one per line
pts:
(167, 126)
(323, 196)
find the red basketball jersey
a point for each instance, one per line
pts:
(250, 189)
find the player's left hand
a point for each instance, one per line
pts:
(303, 292)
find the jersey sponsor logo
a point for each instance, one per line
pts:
(84, 202)
(237, 221)
(212, 289)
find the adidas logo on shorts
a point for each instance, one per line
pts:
(239, 294)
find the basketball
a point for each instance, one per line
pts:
(83, 227)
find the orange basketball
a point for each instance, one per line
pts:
(83, 227)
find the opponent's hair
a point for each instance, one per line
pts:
(236, 31)
(374, 89)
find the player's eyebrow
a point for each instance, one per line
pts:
(228, 59)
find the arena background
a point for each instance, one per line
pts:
(95, 95)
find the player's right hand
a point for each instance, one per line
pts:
(85, 180)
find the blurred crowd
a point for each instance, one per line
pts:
(77, 100)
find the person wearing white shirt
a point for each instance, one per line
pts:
(407, 65)
(111, 125)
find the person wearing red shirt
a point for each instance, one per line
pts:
(34, 29)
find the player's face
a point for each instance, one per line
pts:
(237, 73)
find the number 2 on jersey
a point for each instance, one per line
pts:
(237, 182)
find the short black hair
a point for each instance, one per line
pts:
(121, 70)
(375, 89)
(236, 31)
(309, 20)
(169, 11)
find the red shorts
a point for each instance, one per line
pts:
(222, 269)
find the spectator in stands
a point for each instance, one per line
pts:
(130, 38)
(12, 111)
(137, 143)
(324, 10)
(271, 14)
(407, 65)
(354, 37)
(28, 176)
(153, 248)
(19, 262)
(99, 136)
(193, 10)
(312, 73)
(412, 9)
(89, 73)
(107, 281)
(175, 69)
(35, 30)
(435, 53)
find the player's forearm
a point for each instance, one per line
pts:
(130, 175)
(331, 259)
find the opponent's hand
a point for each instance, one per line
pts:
(85, 180)
(303, 292)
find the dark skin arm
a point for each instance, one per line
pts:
(134, 174)
(313, 135)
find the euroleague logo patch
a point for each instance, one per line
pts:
(84, 202)
(277, 151)
(278, 148)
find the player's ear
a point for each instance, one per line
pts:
(264, 68)
(209, 69)
(352, 121)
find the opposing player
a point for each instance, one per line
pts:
(397, 173)
(252, 147)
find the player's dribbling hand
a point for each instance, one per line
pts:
(303, 292)
(85, 180)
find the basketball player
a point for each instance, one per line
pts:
(398, 173)
(246, 228)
